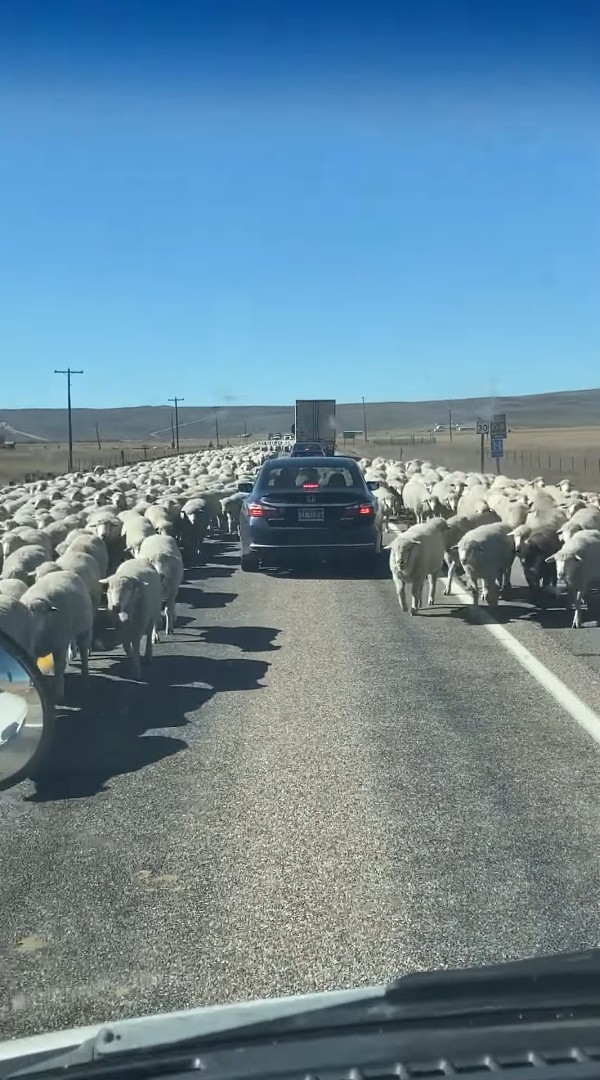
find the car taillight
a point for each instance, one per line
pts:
(309, 487)
(258, 509)
(362, 510)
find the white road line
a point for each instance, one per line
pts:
(575, 707)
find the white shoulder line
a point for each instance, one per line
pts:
(575, 707)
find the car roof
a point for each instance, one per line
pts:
(317, 461)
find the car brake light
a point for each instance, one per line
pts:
(311, 486)
(360, 510)
(258, 509)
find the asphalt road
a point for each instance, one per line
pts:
(311, 790)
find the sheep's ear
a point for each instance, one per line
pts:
(551, 558)
(104, 581)
(579, 558)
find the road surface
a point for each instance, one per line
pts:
(310, 791)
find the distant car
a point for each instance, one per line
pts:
(307, 449)
(320, 504)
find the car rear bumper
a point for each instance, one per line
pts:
(314, 547)
(263, 537)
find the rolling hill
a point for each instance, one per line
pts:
(152, 423)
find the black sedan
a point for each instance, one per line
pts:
(307, 449)
(321, 505)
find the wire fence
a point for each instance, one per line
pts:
(526, 462)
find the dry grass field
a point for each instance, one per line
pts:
(38, 460)
(552, 452)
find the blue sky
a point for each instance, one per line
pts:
(249, 202)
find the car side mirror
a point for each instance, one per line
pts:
(26, 713)
(245, 486)
(372, 484)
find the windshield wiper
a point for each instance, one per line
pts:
(565, 980)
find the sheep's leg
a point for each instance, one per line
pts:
(576, 625)
(149, 643)
(401, 591)
(472, 586)
(432, 584)
(84, 651)
(491, 593)
(134, 656)
(417, 596)
(59, 659)
(506, 583)
(452, 564)
(170, 617)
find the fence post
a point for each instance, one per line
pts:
(585, 464)
(560, 463)
(572, 464)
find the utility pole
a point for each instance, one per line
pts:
(98, 437)
(450, 420)
(176, 400)
(365, 432)
(69, 371)
(217, 424)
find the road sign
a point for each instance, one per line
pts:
(497, 447)
(498, 426)
(483, 427)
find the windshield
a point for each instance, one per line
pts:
(312, 722)
(304, 476)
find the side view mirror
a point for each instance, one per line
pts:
(26, 714)
(245, 485)
(372, 484)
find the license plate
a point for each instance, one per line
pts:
(316, 514)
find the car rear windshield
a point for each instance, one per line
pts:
(291, 475)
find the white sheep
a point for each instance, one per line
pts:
(23, 562)
(62, 613)
(415, 555)
(13, 587)
(487, 554)
(588, 518)
(230, 508)
(578, 567)
(135, 531)
(457, 527)
(91, 545)
(134, 596)
(15, 622)
(84, 564)
(160, 519)
(165, 556)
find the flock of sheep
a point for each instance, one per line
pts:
(116, 542)
(480, 523)
(112, 542)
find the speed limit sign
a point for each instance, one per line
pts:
(483, 427)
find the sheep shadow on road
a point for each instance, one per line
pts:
(100, 735)
(203, 598)
(330, 570)
(105, 730)
(247, 638)
(511, 611)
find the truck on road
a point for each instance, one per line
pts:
(315, 422)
